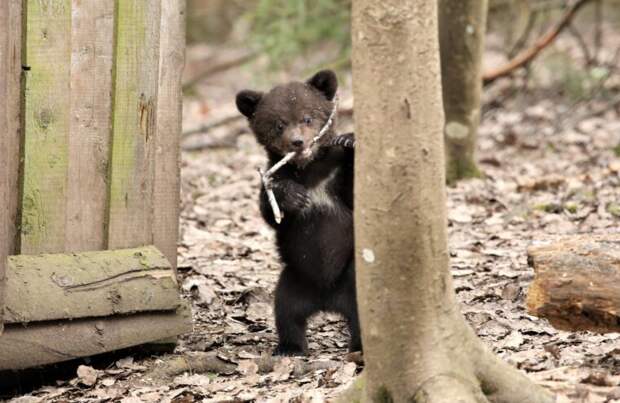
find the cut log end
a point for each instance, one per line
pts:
(577, 283)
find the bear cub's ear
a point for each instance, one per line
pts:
(326, 82)
(247, 101)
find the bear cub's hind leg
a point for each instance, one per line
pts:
(293, 306)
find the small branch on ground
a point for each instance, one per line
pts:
(529, 54)
(228, 141)
(218, 68)
(200, 363)
(215, 124)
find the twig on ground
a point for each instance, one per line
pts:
(528, 55)
(267, 177)
(230, 140)
(215, 124)
(219, 68)
(200, 363)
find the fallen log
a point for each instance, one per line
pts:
(88, 284)
(49, 342)
(577, 283)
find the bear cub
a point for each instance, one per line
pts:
(315, 192)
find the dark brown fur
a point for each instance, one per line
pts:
(315, 192)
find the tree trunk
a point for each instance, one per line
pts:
(417, 345)
(462, 25)
(577, 284)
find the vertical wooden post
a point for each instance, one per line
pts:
(47, 105)
(10, 131)
(4, 177)
(134, 129)
(169, 111)
(92, 42)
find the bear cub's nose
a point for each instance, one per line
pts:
(298, 143)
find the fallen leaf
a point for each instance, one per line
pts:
(87, 375)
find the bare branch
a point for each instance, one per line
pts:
(219, 68)
(529, 54)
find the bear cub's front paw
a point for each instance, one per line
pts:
(292, 198)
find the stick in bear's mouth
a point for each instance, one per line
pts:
(266, 177)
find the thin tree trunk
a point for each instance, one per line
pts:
(462, 25)
(417, 346)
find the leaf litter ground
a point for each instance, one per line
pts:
(550, 170)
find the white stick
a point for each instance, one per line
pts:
(266, 177)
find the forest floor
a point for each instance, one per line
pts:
(550, 170)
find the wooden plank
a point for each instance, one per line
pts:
(15, 134)
(50, 342)
(89, 284)
(134, 123)
(47, 103)
(577, 283)
(4, 177)
(10, 134)
(169, 111)
(92, 39)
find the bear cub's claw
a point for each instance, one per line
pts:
(346, 140)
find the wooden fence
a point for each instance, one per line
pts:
(90, 109)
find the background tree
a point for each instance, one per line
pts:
(462, 26)
(417, 345)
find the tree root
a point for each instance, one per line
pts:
(449, 387)
(481, 378)
(503, 384)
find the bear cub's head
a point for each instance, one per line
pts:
(289, 116)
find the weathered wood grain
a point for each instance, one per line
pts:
(577, 283)
(4, 177)
(92, 42)
(134, 123)
(47, 104)
(89, 284)
(10, 130)
(169, 112)
(49, 342)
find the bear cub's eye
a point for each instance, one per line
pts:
(307, 120)
(279, 127)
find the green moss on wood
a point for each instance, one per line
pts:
(47, 119)
(461, 168)
(88, 284)
(133, 123)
